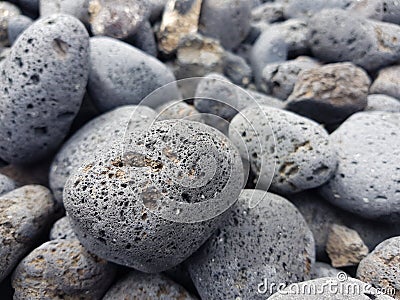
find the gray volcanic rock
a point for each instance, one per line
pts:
(387, 82)
(62, 230)
(164, 195)
(116, 70)
(25, 213)
(367, 180)
(62, 269)
(6, 184)
(386, 103)
(265, 238)
(44, 75)
(309, 8)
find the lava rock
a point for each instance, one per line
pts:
(331, 93)
(177, 110)
(265, 238)
(6, 184)
(391, 11)
(16, 26)
(381, 267)
(366, 181)
(62, 230)
(146, 286)
(268, 12)
(25, 213)
(42, 87)
(61, 269)
(144, 39)
(321, 270)
(180, 19)
(95, 137)
(262, 99)
(77, 8)
(237, 69)
(116, 70)
(7, 12)
(117, 19)
(387, 82)
(279, 79)
(292, 151)
(383, 103)
(338, 35)
(341, 290)
(227, 21)
(163, 201)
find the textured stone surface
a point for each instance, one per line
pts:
(268, 12)
(95, 137)
(62, 230)
(331, 93)
(387, 82)
(237, 69)
(379, 102)
(309, 8)
(178, 110)
(25, 213)
(6, 184)
(45, 74)
(367, 180)
(61, 269)
(144, 39)
(291, 150)
(381, 267)
(189, 163)
(116, 69)
(147, 286)
(268, 241)
(77, 8)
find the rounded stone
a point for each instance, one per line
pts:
(146, 286)
(387, 82)
(144, 39)
(62, 230)
(330, 93)
(237, 69)
(227, 21)
(321, 270)
(367, 180)
(25, 213)
(94, 137)
(42, 86)
(309, 8)
(61, 269)
(386, 103)
(77, 8)
(177, 110)
(121, 75)
(264, 239)
(16, 26)
(154, 204)
(7, 12)
(6, 184)
(347, 289)
(381, 267)
(293, 151)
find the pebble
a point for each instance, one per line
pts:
(309, 8)
(343, 288)
(42, 87)
(7, 12)
(16, 26)
(367, 180)
(338, 35)
(228, 21)
(330, 93)
(279, 79)
(391, 11)
(62, 230)
(387, 82)
(77, 8)
(265, 238)
(61, 269)
(237, 69)
(321, 270)
(262, 99)
(180, 19)
(178, 110)
(149, 232)
(145, 40)
(6, 184)
(345, 247)
(25, 213)
(137, 285)
(268, 12)
(381, 267)
(383, 103)
(372, 9)
(115, 70)
(292, 151)
(117, 19)
(94, 137)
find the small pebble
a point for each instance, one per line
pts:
(265, 238)
(330, 93)
(16, 26)
(177, 110)
(7, 12)
(321, 270)
(387, 82)
(77, 8)
(144, 39)
(137, 285)
(6, 184)
(391, 11)
(61, 269)
(62, 230)
(237, 69)
(383, 103)
(268, 12)
(25, 214)
(309, 8)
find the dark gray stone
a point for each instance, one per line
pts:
(62, 269)
(62, 230)
(237, 69)
(144, 39)
(16, 26)
(42, 87)
(121, 75)
(268, 241)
